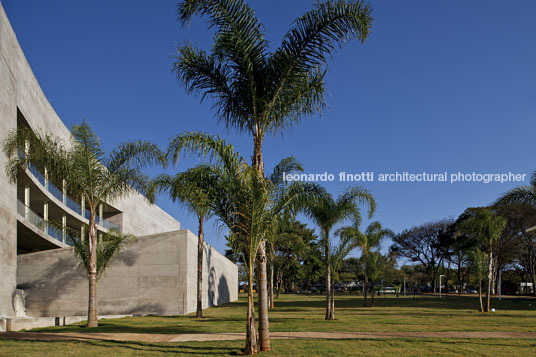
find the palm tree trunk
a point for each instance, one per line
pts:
(329, 315)
(332, 307)
(92, 319)
(271, 285)
(264, 330)
(264, 327)
(200, 240)
(480, 294)
(372, 294)
(490, 277)
(279, 285)
(365, 291)
(251, 333)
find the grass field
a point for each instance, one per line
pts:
(305, 313)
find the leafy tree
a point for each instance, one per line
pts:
(373, 236)
(486, 227)
(422, 244)
(458, 248)
(192, 188)
(517, 243)
(262, 92)
(87, 173)
(289, 249)
(326, 213)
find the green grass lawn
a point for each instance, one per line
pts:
(306, 313)
(394, 347)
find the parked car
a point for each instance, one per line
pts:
(388, 290)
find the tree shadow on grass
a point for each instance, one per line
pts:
(172, 348)
(452, 302)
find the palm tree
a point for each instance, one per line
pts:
(486, 227)
(192, 188)
(326, 213)
(262, 92)
(478, 260)
(372, 238)
(523, 195)
(87, 173)
(340, 252)
(109, 245)
(249, 205)
(373, 263)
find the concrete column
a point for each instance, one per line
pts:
(27, 202)
(26, 148)
(83, 206)
(45, 217)
(82, 232)
(101, 212)
(46, 179)
(64, 192)
(64, 228)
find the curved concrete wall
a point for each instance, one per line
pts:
(20, 90)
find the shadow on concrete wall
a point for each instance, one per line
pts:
(212, 287)
(47, 285)
(145, 309)
(224, 294)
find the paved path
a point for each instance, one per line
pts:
(146, 337)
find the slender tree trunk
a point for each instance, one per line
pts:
(332, 307)
(459, 276)
(92, 318)
(329, 315)
(264, 330)
(480, 294)
(251, 330)
(200, 241)
(279, 285)
(271, 285)
(490, 277)
(365, 291)
(372, 294)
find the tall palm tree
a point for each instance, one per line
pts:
(262, 92)
(486, 227)
(326, 213)
(372, 238)
(249, 205)
(87, 173)
(192, 188)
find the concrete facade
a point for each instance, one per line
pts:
(153, 275)
(21, 98)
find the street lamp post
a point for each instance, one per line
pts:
(441, 276)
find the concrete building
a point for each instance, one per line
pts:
(38, 273)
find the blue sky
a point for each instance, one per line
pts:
(438, 86)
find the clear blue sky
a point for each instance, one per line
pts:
(438, 86)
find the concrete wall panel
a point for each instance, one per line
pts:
(153, 275)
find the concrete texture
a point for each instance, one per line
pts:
(153, 275)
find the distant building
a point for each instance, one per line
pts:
(38, 272)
